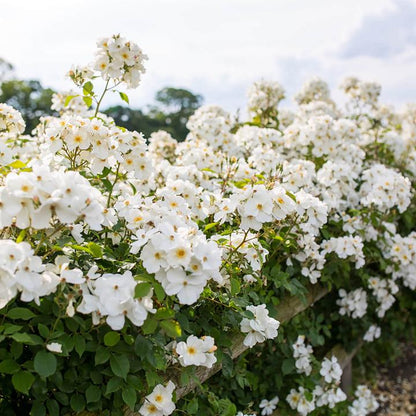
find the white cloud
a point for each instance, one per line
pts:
(386, 34)
(216, 48)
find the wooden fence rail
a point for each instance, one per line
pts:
(285, 311)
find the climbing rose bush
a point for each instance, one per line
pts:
(131, 266)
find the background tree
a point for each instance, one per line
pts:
(171, 112)
(29, 97)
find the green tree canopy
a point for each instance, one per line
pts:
(29, 97)
(171, 112)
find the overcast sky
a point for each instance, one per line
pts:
(218, 47)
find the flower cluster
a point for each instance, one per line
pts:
(105, 231)
(33, 199)
(112, 296)
(264, 96)
(120, 60)
(11, 122)
(268, 406)
(353, 304)
(259, 328)
(383, 290)
(373, 332)
(197, 351)
(303, 354)
(159, 402)
(23, 272)
(299, 401)
(346, 247)
(364, 404)
(385, 188)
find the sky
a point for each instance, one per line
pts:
(219, 47)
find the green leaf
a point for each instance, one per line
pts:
(142, 289)
(95, 250)
(210, 225)
(102, 355)
(9, 366)
(20, 313)
(93, 394)
(129, 396)
(38, 409)
(120, 365)
(43, 330)
(87, 101)
(111, 338)
(235, 286)
(28, 339)
(113, 385)
(21, 236)
(88, 88)
(124, 97)
(160, 293)
(288, 366)
(11, 329)
(164, 313)
(79, 344)
(68, 99)
(172, 328)
(226, 408)
(192, 406)
(152, 378)
(53, 407)
(22, 381)
(77, 403)
(149, 326)
(44, 363)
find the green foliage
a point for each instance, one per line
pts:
(29, 97)
(170, 113)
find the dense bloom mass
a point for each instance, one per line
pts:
(105, 230)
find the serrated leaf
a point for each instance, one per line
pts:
(9, 366)
(210, 225)
(20, 313)
(113, 385)
(21, 236)
(88, 88)
(102, 355)
(95, 250)
(160, 293)
(164, 313)
(38, 409)
(149, 326)
(53, 407)
(79, 344)
(11, 329)
(44, 363)
(288, 366)
(87, 101)
(124, 97)
(111, 338)
(43, 330)
(129, 396)
(77, 403)
(22, 381)
(28, 339)
(235, 286)
(192, 406)
(120, 365)
(142, 289)
(68, 99)
(93, 394)
(172, 328)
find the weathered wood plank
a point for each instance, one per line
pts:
(285, 311)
